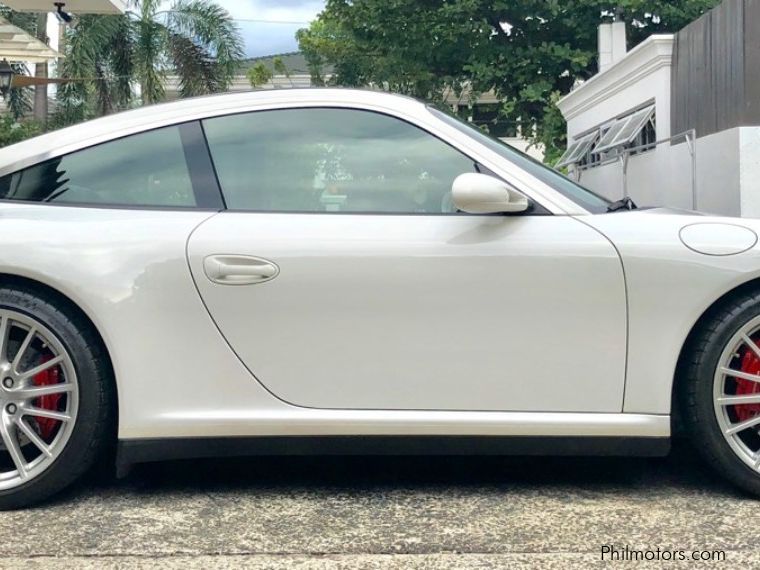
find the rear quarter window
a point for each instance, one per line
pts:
(148, 169)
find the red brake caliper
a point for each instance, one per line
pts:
(750, 365)
(50, 402)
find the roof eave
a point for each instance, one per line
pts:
(649, 56)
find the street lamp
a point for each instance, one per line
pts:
(6, 76)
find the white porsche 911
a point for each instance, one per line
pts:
(338, 271)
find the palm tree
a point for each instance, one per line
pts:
(108, 56)
(259, 75)
(20, 101)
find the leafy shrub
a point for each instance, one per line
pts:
(13, 131)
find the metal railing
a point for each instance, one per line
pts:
(624, 156)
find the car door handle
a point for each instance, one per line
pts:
(239, 269)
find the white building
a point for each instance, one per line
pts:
(632, 128)
(17, 46)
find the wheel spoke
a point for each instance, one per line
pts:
(736, 428)
(39, 398)
(739, 400)
(5, 331)
(42, 413)
(739, 374)
(13, 447)
(22, 349)
(751, 344)
(56, 361)
(34, 438)
(38, 391)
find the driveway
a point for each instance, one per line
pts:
(417, 513)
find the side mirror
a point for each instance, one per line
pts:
(482, 194)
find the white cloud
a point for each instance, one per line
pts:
(263, 38)
(286, 10)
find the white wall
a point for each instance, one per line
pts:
(536, 151)
(653, 87)
(727, 163)
(718, 173)
(656, 178)
(642, 76)
(749, 171)
(728, 175)
(605, 180)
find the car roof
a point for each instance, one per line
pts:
(90, 133)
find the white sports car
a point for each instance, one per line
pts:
(338, 271)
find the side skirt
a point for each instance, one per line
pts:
(133, 451)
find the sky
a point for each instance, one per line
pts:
(260, 38)
(270, 38)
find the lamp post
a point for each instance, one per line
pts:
(6, 76)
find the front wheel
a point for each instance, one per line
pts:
(55, 393)
(720, 390)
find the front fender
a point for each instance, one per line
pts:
(670, 285)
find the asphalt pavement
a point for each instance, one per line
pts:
(397, 513)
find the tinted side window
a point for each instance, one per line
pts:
(562, 184)
(148, 169)
(332, 160)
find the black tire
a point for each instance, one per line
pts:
(93, 429)
(695, 387)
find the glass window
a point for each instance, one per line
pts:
(625, 130)
(488, 116)
(606, 142)
(579, 151)
(148, 169)
(562, 184)
(646, 138)
(332, 160)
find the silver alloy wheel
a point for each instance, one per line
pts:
(742, 434)
(29, 351)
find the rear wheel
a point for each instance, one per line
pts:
(55, 394)
(720, 390)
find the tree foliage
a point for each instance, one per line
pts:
(259, 75)
(196, 40)
(13, 131)
(281, 69)
(530, 52)
(19, 100)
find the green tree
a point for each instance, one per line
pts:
(20, 101)
(13, 131)
(530, 52)
(259, 75)
(196, 40)
(281, 69)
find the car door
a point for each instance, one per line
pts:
(342, 276)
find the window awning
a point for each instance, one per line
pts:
(625, 130)
(18, 45)
(578, 150)
(74, 6)
(618, 133)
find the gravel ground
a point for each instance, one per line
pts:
(398, 513)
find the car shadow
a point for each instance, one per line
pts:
(682, 471)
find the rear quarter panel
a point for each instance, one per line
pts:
(127, 270)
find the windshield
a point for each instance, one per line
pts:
(562, 184)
